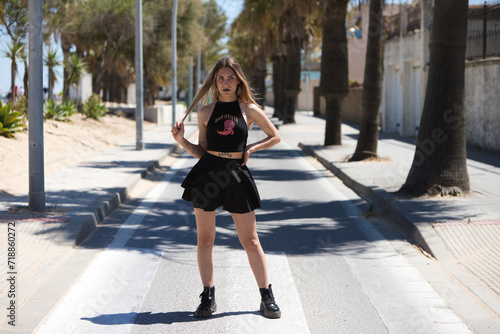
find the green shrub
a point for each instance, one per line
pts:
(69, 107)
(10, 121)
(58, 112)
(93, 108)
(21, 105)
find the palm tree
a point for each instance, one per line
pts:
(295, 18)
(278, 58)
(52, 60)
(276, 46)
(14, 51)
(334, 84)
(250, 41)
(372, 86)
(256, 35)
(24, 58)
(75, 67)
(439, 165)
(57, 14)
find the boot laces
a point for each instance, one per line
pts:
(205, 297)
(269, 298)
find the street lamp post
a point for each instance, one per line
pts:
(190, 84)
(139, 87)
(174, 60)
(198, 61)
(36, 195)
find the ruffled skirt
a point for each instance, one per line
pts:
(216, 181)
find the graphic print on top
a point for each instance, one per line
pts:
(227, 129)
(230, 122)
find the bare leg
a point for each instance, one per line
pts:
(205, 225)
(247, 233)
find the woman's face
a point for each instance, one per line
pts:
(227, 83)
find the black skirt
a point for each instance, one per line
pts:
(216, 181)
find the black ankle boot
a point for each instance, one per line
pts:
(268, 306)
(207, 305)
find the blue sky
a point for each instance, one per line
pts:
(231, 7)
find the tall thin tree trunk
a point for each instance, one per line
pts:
(65, 48)
(372, 86)
(51, 85)
(294, 22)
(13, 80)
(440, 161)
(278, 84)
(149, 89)
(333, 119)
(259, 79)
(334, 84)
(26, 79)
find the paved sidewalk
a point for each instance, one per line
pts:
(462, 233)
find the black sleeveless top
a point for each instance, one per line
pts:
(227, 130)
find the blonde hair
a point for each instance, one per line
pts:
(209, 87)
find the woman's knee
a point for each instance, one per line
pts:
(251, 244)
(205, 224)
(206, 242)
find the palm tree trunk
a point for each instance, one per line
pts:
(77, 94)
(294, 22)
(26, 79)
(66, 46)
(440, 161)
(334, 84)
(259, 79)
(149, 88)
(279, 61)
(13, 79)
(51, 84)
(372, 86)
(333, 119)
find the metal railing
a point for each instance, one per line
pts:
(411, 15)
(483, 36)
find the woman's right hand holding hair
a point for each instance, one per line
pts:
(178, 131)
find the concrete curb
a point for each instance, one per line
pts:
(83, 222)
(421, 234)
(475, 303)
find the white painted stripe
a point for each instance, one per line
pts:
(107, 296)
(112, 289)
(128, 228)
(240, 295)
(388, 279)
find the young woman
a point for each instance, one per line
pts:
(221, 177)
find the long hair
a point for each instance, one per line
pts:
(209, 86)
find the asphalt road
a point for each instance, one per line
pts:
(331, 270)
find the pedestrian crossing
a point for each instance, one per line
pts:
(109, 296)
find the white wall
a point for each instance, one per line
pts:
(84, 89)
(404, 84)
(482, 103)
(404, 93)
(131, 94)
(305, 99)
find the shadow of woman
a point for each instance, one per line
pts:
(148, 318)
